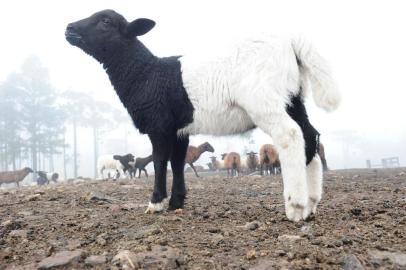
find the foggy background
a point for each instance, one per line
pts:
(61, 88)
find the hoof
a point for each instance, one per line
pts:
(154, 208)
(296, 212)
(297, 208)
(176, 202)
(179, 211)
(313, 205)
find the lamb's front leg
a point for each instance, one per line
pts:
(161, 150)
(178, 163)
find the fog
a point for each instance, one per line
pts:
(364, 42)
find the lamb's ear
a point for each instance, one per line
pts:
(139, 27)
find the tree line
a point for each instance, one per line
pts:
(34, 117)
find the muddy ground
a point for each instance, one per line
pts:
(227, 224)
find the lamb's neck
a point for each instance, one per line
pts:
(200, 150)
(129, 64)
(149, 159)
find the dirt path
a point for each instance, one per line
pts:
(227, 224)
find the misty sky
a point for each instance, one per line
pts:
(364, 42)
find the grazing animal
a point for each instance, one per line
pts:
(45, 178)
(140, 164)
(14, 176)
(217, 165)
(268, 159)
(232, 163)
(114, 162)
(262, 82)
(193, 153)
(322, 155)
(251, 161)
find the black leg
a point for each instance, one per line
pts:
(146, 173)
(178, 164)
(161, 151)
(139, 173)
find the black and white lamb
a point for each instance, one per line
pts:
(140, 164)
(46, 177)
(261, 83)
(120, 164)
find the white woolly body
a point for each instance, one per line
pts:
(107, 162)
(221, 90)
(259, 74)
(251, 86)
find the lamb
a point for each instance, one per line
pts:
(262, 83)
(232, 163)
(193, 153)
(140, 164)
(114, 162)
(44, 177)
(268, 159)
(217, 165)
(251, 161)
(322, 155)
(14, 176)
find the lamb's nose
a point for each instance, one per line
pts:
(70, 27)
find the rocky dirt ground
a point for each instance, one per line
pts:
(228, 223)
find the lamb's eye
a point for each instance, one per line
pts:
(106, 21)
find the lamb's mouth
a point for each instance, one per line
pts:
(73, 37)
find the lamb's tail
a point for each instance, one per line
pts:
(315, 69)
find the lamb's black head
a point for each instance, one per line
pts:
(251, 154)
(207, 147)
(130, 157)
(105, 32)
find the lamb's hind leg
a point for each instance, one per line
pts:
(289, 142)
(297, 111)
(314, 182)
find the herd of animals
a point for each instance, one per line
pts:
(127, 165)
(17, 176)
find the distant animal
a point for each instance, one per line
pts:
(322, 155)
(114, 162)
(193, 153)
(117, 175)
(14, 176)
(251, 162)
(268, 159)
(140, 164)
(232, 163)
(260, 82)
(45, 178)
(217, 165)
